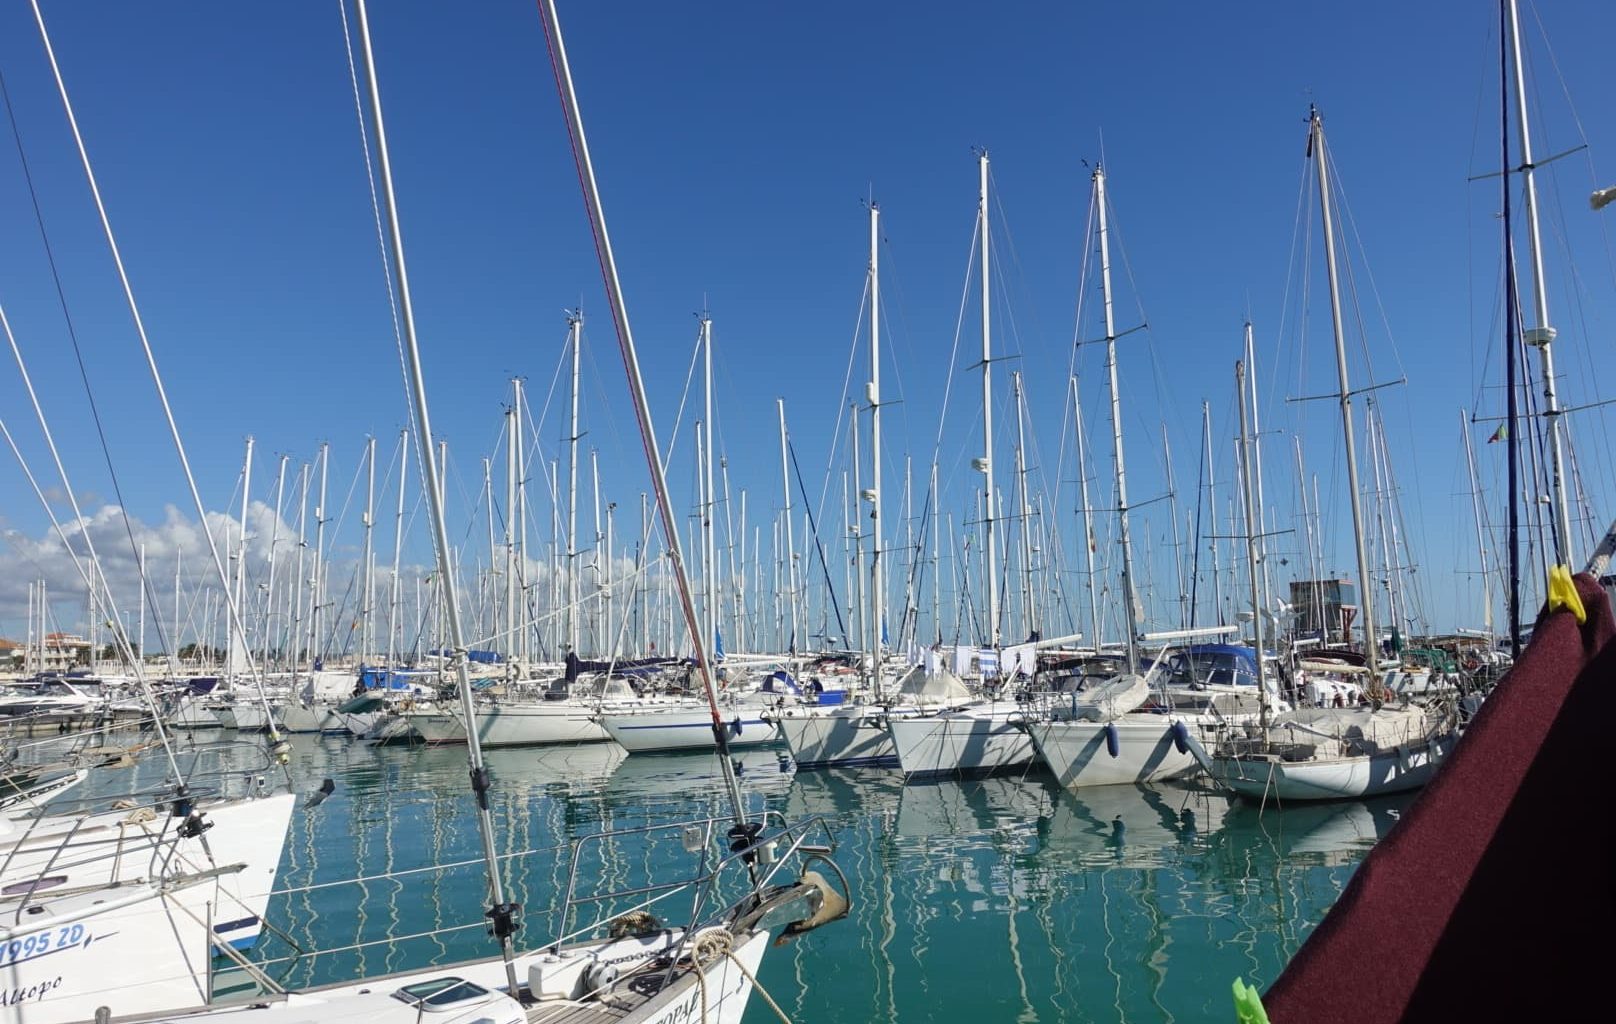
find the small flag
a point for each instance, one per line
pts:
(1501, 434)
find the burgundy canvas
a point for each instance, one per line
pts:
(1492, 898)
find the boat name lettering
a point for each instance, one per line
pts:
(40, 943)
(33, 993)
(682, 1012)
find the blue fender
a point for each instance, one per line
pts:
(1181, 738)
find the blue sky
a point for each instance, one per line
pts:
(735, 145)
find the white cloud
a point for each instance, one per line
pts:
(178, 540)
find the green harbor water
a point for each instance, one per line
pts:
(1004, 899)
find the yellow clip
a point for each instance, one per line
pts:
(1248, 1007)
(1563, 593)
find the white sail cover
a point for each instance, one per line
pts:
(1111, 699)
(940, 687)
(1367, 731)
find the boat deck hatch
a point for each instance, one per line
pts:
(441, 994)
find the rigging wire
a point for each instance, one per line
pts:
(237, 625)
(73, 338)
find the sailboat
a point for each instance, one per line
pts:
(1332, 753)
(1125, 730)
(681, 723)
(985, 736)
(862, 732)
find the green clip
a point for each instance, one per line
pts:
(1248, 1007)
(1563, 593)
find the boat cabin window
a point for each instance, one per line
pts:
(34, 885)
(1211, 668)
(440, 993)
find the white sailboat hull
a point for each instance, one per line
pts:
(361, 723)
(1079, 752)
(313, 718)
(516, 725)
(1392, 771)
(117, 848)
(724, 991)
(193, 713)
(691, 728)
(841, 737)
(984, 740)
(246, 716)
(138, 952)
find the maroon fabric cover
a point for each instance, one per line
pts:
(1491, 899)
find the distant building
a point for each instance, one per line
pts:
(64, 651)
(1325, 608)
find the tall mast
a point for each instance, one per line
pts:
(1130, 600)
(513, 441)
(501, 914)
(574, 343)
(1029, 609)
(936, 561)
(1366, 600)
(643, 613)
(1377, 444)
(295, 633)
(878, 592)
(553, 584)
(791, 543)
(524, 633)
(698, 534)
(607, 583)
(1178, 562)
(316, 583)
(1248, 456)
(735, 578)
(454, 559)
(487, 603)
(237, 658)
(631, 365)
(985, 464)
(575, 321)
(367, 592)
(1267, 592)
(1481, 534)
(1542, 335)
(597, 626)
(1513, 440)
(274, 543)
(394, 638)
(847, 566)
(709, 509)
(1088, 520)
(140, 642)
(1212, 505)
(860, 579)
(910, 613)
